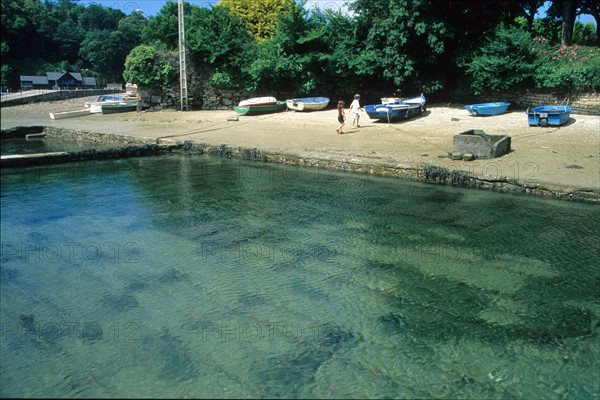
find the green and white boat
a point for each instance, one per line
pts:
(260, 109)
(114, 108)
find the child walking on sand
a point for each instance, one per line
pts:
(354, 109)
(341, 117)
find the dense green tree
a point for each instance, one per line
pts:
(530, 9)
(512, 58)
(295, 57)
(5, 80)
(52, 34)
(551, 28)
(163, 26)
(505, 61)
(407, 41)
(105, 51)
(97, 17)
(96, 49)
(219, 40)
(55, 67)
(401, 46)
(134, 24)
(592, 7)
(122, 40)
(584, 34)
(20, 29)
(152, 66)
(346, 63)
(259, 15)
(566, 11)
(61, 25)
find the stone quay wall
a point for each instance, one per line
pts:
(581, 103)
(210, 98)
(126, 146)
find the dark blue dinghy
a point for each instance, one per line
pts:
(548, 115)
(397, 110)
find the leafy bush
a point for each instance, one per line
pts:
(505, 61)
(584, 34)
(151, 66)
(221, 80)
(512, 59)
(573, 68)
(219, 40)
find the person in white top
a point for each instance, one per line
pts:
(354, 109)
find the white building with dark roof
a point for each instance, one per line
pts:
(58, 80)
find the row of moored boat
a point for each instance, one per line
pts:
(389, 110)
(395, 109)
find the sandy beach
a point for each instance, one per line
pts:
(562, 159)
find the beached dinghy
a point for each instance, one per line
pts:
(395, 111)
(387, 100)
(258, 101)
(116, 108)
(308, 103)
(496, 108)
(548, 115)
(96, 106)
(261, 109)
(69, 114)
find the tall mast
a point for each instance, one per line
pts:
(182, 68)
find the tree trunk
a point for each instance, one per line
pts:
(532, 7)
(568, 21)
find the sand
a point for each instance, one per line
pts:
(563, 159)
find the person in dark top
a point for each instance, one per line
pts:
(341, 116)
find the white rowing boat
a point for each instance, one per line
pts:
(69, 114)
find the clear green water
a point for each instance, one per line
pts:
(192, 277)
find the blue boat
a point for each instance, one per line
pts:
(496, 108)
(397, 110)
(548, 115)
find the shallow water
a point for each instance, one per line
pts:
(183, 276)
